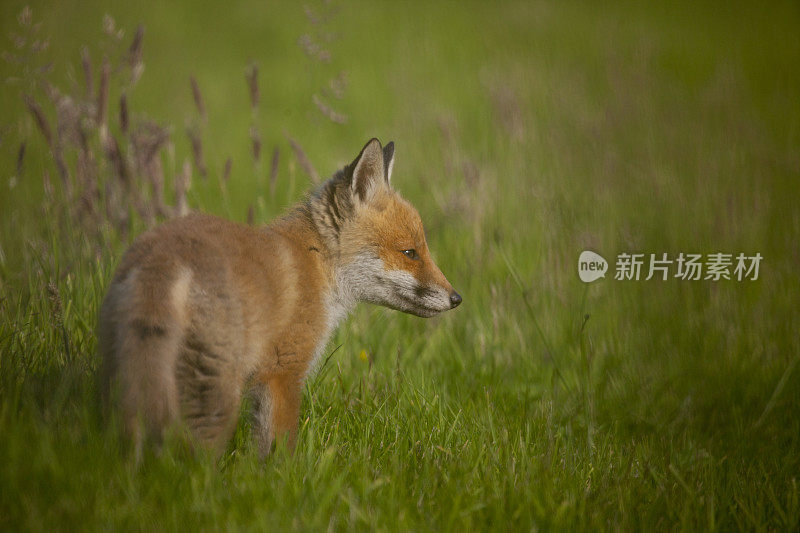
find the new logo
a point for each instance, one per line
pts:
(591, 266)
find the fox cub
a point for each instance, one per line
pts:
(202, 310)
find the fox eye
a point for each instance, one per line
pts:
(411, 254)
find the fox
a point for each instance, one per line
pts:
(202, 312)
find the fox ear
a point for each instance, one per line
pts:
(388, 161)
(368, 170)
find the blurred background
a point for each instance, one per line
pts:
(526, 132)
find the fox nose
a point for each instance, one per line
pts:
(455, 299)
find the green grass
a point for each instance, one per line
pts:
(622, 128)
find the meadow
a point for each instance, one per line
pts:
(526, 133)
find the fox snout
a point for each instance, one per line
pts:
(430, 292)
(451, 297)
(412, 296)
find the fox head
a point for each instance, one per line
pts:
(377, 238)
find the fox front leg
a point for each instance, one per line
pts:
(277, 409)
(286, 393)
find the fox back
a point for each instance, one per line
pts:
(202, 310)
